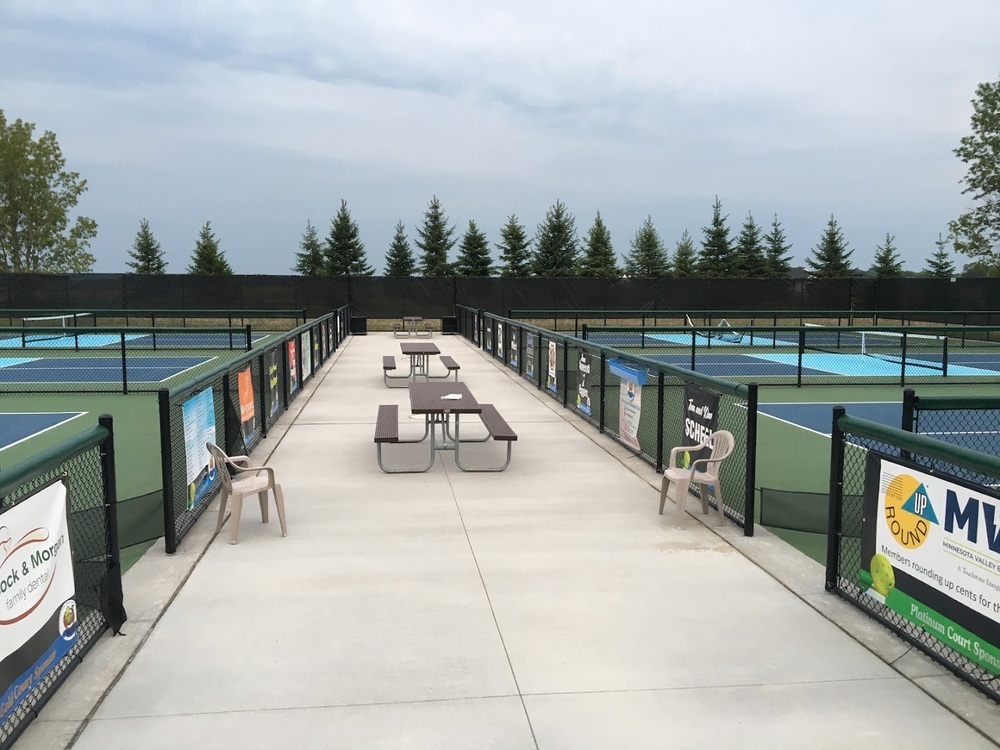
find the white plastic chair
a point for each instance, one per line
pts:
(704, 471)
(240, 479)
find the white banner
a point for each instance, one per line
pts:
(38, 617)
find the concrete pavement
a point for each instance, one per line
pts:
(547, 606)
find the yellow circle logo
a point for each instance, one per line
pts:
(908, 528)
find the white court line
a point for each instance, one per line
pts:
(181, 372)
(51, 427)
(793, 424)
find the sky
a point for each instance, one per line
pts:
(262, 116)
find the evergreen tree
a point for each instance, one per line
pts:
(751, 261)
(940, 263)
(344, 254)
(887, 262)
(685, 257)
(777, 251)
(514, 249)
(556, 244)
(208, 259)
(399, 260)
(436, 241)
(598, 254)
(309, 261)
(146, 255)
(717, 257)
(474, 254)
(831, 258)
(648, 256)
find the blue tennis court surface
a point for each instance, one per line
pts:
(173, 339)
(94, 369)
(818, 417)
(19, 426)
(820, 363)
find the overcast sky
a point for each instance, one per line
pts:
(260, 116)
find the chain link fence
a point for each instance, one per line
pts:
(648, 416)
(233, 406)
(911, 555)
(86, 464)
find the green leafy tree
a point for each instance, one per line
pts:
(515, 249)
(647, 257)
(717, 259)
(556, 244)
(399, 260)
(750, 256)
(37, 196)
(146, 255)
(777, 251)
(344, 254)
(976, 232)
(598, 253)
(831, 259)
(309, 260)
(685, 257)
(887, 262)
(474, 254)
(436, 239)
(939, 264)
(208, 259)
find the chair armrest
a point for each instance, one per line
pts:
(679, 448)
(705, 462)
(257, 470)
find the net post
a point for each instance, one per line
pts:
(121, 337)
(836, 502)
(750, 472)
(167, 473)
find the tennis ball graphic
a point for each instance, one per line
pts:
(883, 579)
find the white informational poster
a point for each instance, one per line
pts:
(307, 354)
(199, 428)
(629, 401)
(38, 615)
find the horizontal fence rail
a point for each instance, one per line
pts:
(152, 318)
(233, 406)
(85, 464)
(648, 419)
(907, 543)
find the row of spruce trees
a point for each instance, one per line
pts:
(554, 251)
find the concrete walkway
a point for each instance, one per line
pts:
(548, 606)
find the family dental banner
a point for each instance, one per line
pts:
(629, 401)
(199, 428)
(38, 616)
(931, 544)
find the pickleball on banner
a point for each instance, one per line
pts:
(701, 419)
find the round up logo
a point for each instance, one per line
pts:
(908, 511)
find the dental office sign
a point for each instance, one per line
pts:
(38, 616)
(931, 544)
(629, 401)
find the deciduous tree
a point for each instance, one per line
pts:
(37, 198)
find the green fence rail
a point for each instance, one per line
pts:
(649, 420)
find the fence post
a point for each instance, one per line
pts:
(836, 503)
(249, 338)
(802, 348)
(264, 389)
(902, 362)
(600, 426)
(565, 372)
(110, 490)
(659, 421)
(227, 407)
(750, 475)
(167, 473)
(538, 359)
(909, 404)
(124, 368)
(284, 375)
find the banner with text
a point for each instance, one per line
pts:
(551, 380)
(629, 401)
(515, 334)
(583, 382)
(529, 355)
(931, 542)
(701, 419)
(38, 624)
(293, 369)
(248, 411)
(199, 428)
(307, 355)
(500, 340)
(272, 362)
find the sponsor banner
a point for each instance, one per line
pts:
(931, 553)
(629, 401)
(248, 411)
(475, 328)
(307, 355)
(198, 413)
(488, 336)
(272, 363)
(701, 419)
(500, 340)
(550, 380)
(529, 356)
(583, 380)
(515, 334)
(293, 368)
(38, 612)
